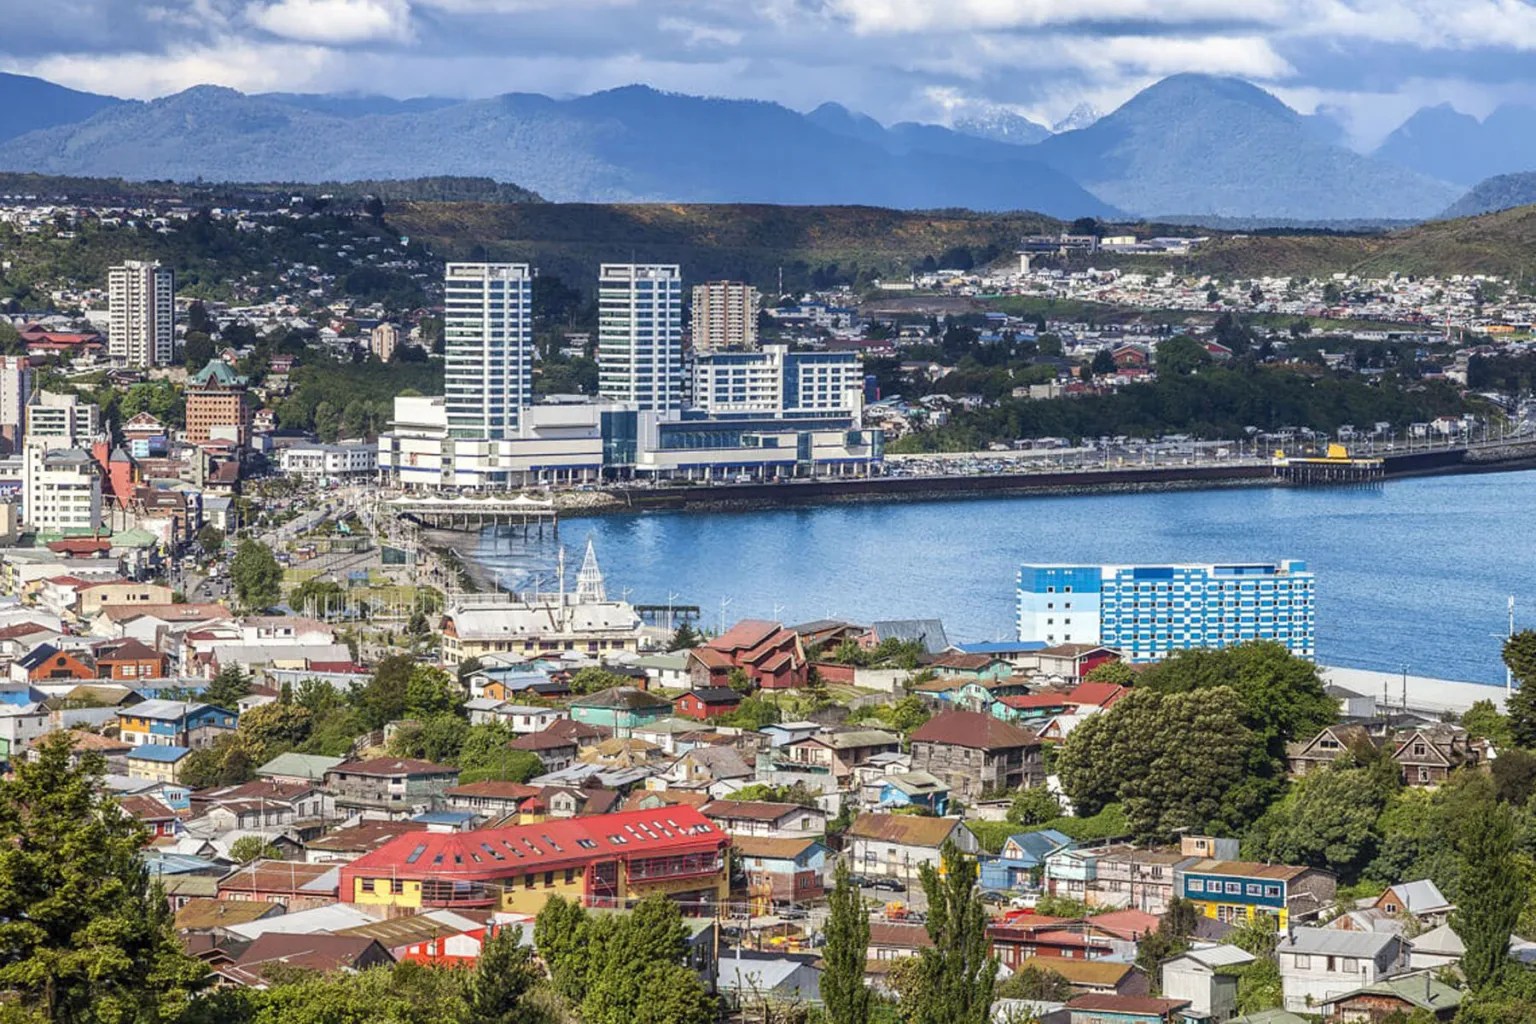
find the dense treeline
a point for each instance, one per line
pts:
(353, 399)
(1218, 402)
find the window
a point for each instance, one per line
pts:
(1272, 892)
(1234, 888)
(1195, 885)
(1255, 889)
(1303, 962)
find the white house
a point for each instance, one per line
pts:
(894, 845)
(1317, 964)
(1205, 978)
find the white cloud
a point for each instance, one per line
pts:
(245, 66)
(334, 22)
(959, 16)
(697, 34)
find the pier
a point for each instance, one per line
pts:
(1332, 468)
(525, 516)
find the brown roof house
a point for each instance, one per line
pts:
(976, 754)
(400, 786)
(893, 845)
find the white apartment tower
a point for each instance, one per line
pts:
(141, 300)
(640, 334)
(488, 341)
(15, 389)
(724, 316)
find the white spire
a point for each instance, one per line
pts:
(589, 582)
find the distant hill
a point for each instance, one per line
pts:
(1444, 143)
(1501, 192)
(625, 145)
(1197, 145)
(28, 104)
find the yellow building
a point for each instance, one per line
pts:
(607, 860)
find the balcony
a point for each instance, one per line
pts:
(455, 894)
(654, 869)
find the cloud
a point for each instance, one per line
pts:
(894, 59)
(336, 22)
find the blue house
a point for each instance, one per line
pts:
(621, 708)
(1022, 856)
(17, 694)
(915, 789)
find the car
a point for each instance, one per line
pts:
(888, 884)
(996, 899)
(1027, 901)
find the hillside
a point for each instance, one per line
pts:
(30, 104)
(1198, 145)
(1501, 192)
(745, 242)
(624, 145)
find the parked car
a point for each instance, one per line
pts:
(888, 884)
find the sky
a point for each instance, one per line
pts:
(1370, 63)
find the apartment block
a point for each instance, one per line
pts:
(141, 303)
(724, 316)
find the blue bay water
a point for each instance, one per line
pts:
(1415, 573)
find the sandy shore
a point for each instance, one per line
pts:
(1424, 694)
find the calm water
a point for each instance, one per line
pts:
(1414, 573)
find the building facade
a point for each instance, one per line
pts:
(488, 344)
(724, 316)
(640, 334)
(320, 462)
(383, 340)
(15, 390)
(141, 303)
(1150, 611)
(217, 409)
(777, 382)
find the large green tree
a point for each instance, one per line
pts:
(1520, 656)
(1492, 888)
(257, 578)
(843, 991)
(1329, 818)
(84, 935)
(958, 974)
(1175, 760)
(498, 990)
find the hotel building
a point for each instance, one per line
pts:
(1147, 612)
(488, 343)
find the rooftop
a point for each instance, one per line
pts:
(906, 829)
(975, 730)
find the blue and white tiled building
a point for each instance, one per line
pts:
(1149, 611)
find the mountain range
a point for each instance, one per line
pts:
(1444, 143)
(1189, 146)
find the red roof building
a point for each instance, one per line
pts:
(772, 657)
(707, 703)
(605, 860)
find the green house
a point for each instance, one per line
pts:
(622, 709)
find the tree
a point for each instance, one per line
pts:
(1049, 345)
(382, 698)
(1281, 695)
(429, 692)
(843, 990)
(1484, 721)
(1514, 776)
(958, 974)
(249, 848)
(684, 638)
(504, 975)
(560, 933)
(1034, 806)
(277, 726)
(1036, 984)
(1492, 888)
(227, 761)
(738, 680)
(1181, 356)
(86, 935)
(257, 578)
(1329, 818)
(1175, 760)
(594, 680)
(1103, 364)
(1520, 656)
(1117, 672)
(210, 538)
(227, 688)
